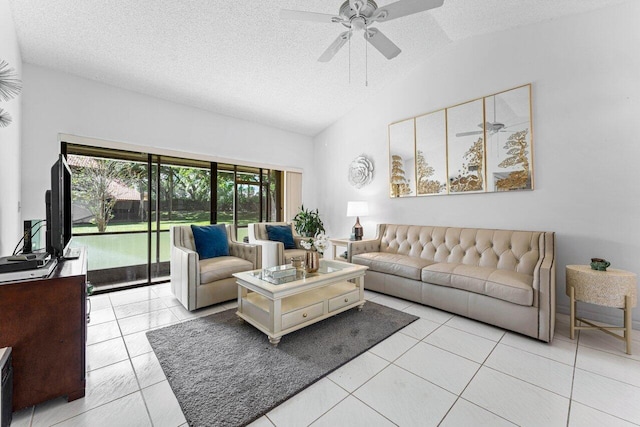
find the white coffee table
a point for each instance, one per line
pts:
(278, 309)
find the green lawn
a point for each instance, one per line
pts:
(196, 218)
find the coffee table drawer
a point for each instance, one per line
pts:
(344, 300)
(302, 315)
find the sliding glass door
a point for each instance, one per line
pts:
(124, 204)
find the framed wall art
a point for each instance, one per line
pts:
(483, 145)
(431, 153)
(402, 160)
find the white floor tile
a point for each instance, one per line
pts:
(465, 413)
(353, 413)
(353, 374)
(148, 369)
(369, 295)
(559, 350)
(461, 343)
(131, 295)
(441, 367)
(483, 330)
(137, 344)
(103, 385)
(170, 301)
(562, 328)
(420, 328)
(126, 411)
(545, 373)
(260, 422)
(101, 316)
(147, 321)
(163, 406)
(102, 332)
(106, 353)
(607, 395)
(401, 397)
(99, 302)
(609, 365)
(162, 290)
(428, 313)
(584, 416)
(183, 314)
(515, 400)
(308, 405)
(393, 302)
(601, 341)
(140, 307)
(22, 418)
(393, 347)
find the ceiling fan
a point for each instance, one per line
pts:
(359, 15)
(491, 128)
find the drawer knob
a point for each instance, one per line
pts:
(346, 300)
(304, 314)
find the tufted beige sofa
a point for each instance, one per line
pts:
(199, 283)
(502, 277)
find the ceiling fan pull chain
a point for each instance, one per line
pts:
(349, 56)
(366, 57)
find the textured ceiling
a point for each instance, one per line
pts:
(238, 58)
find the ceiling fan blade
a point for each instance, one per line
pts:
(301, 15)
(335, 47)
(403, 8)
(475, 132)
(382, 43)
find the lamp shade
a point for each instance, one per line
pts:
(359, 208)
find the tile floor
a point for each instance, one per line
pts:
(441, 370)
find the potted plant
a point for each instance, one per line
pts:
(308, 222)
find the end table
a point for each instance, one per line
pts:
(611, 288)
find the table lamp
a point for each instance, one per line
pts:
(357, 209)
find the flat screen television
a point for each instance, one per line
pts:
(58, 203)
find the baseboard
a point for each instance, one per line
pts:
(598, 314)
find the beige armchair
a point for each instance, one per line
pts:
(199, 283)
(274, 253)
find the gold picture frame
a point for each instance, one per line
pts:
(478, 146)
(402, 166)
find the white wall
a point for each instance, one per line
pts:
(10, 228)
(586, 106)
(56, 102)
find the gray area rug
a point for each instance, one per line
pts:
(225, 373)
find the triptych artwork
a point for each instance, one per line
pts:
(484, 145)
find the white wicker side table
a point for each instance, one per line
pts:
(611, 288)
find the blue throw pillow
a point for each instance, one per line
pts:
(281, 233)
(211, 240)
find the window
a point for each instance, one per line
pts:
(124, 204)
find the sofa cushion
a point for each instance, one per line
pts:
(223, 267)
(398, 265)
(281, 233)
(210, 240)
(502, 284)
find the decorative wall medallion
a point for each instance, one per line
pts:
(5, 118)
(360, 172)
(10, 84)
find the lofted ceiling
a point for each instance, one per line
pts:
(238, 58)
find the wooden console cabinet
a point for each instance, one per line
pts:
(45, 321)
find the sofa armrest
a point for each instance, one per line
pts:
(361, 247)
(272, 252)
(545, 286)
(252, 253)
(185, 275)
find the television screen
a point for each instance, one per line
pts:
(58, 201)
